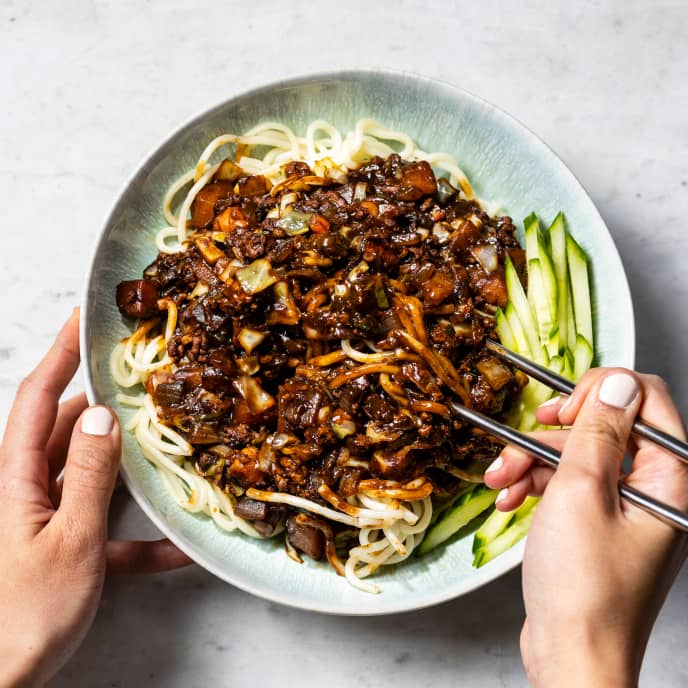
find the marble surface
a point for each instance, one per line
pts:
(89, 88)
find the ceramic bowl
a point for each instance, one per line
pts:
(506, 164)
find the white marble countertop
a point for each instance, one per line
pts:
(90, 87)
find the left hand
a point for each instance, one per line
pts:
(54, 547)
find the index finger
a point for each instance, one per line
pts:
(33, 413)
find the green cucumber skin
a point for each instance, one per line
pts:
(457, 517)
(522, 309)
(504, 330)
(516, 531)
(557, 239)
(497, 522)
(582, 357)
(580, 288)
(551, 324)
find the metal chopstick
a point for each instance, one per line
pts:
(561, 384)
(551, 456)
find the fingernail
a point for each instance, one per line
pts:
(551, 402)
(97, 421)
(618, 390)
(495, 465)
(503, 494)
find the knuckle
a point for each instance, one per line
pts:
(91, 468)
(658, 382)
(604, 433)
(33, 383)
(27, 383)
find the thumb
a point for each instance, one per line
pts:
(602, 427)
(90, 472)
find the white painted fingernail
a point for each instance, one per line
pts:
(618, 390)
(495, 465)
(503, 494)
(97, 421)
(551, 402)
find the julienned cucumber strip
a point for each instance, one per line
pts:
(522, 309)
(582, 357)
(567, 371)
(557, 240)
(496, 523)
(472, 505)
(535, 394)
(523, 517)
(531, 229)
(580, 288)
(504, 331)
(520, 339)
(542, 284)
(551, 325)
(541, 295)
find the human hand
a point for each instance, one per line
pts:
(596, 569)
(54, 547)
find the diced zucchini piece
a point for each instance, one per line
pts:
(467, 508)
(523, 517)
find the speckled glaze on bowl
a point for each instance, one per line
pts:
(506, 164)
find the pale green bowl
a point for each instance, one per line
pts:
(505, 162)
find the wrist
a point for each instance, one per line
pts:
(20, 667)
(16, 672)
(593, 661)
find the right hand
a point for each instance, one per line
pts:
(596, 569)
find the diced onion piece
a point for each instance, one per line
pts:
(341, 290)
(287, 200)
(230, 270)
(378, 435)
(248, 364)
(256, 397)
(201, 289)
(250, 339)
(358, 270)
(257, 276)
(464, 329)
(208, 250)
(293, 222)
(229, 171)
(265, 457)
(360, 191)
(486, 255)
(343, 428)
(284, 311)
(440, 231)
(280, 440)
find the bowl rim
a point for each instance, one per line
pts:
(508, 560)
